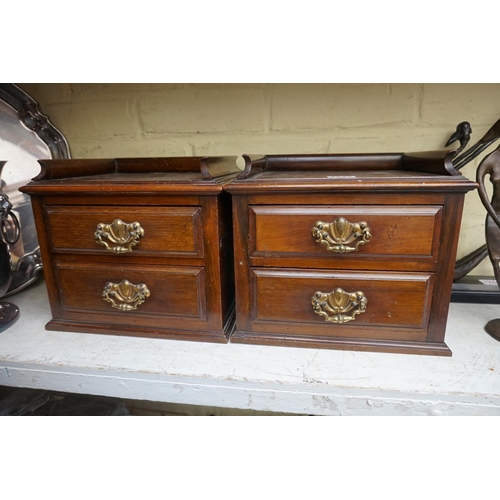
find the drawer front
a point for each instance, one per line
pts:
(333, 233)
(132, 295)
(158, 231)
(346, 304)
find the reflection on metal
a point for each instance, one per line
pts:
(339, 234)
(119, 237)
(26, 135)
(125, 296)
(339, 306)
(10, 230)
(9, 235)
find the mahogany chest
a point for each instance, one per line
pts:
(346, 251)
(138, 246)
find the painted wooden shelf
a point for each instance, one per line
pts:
(281, 379)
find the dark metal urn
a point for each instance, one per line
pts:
(9, 235)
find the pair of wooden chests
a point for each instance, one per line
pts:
(330, 251)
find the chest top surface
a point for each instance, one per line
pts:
(400, 172)
(198, 175)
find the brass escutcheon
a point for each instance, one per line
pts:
(339, 306)
(125, 296)
(118, 237)
(339, 234)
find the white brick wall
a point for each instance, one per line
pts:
(117, 120)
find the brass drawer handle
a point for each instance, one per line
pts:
(337, 235)
(118, 237)
(125, 296)
(339, 306)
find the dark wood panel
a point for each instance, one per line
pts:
(397, 303)
(408, 232)
(342, 343)
(208, 167)
(224, 257)
(241, 267)
(434, 162)
(172, 231)
(177, 330)
(175, 292)
(448, 244)
(134, 200)
(347, 198)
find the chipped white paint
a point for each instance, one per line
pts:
(304, 381)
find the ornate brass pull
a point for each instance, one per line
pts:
(118, 237)
(339, 306)
(125, 296)
(337, 235)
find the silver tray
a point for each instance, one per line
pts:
(26, 135)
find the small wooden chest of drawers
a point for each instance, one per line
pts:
(139, 246)
(346, 251)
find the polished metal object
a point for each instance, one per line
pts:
(9, 235)
(491, 136)
(125, 296)
(118, 237)
(26, 135)
(339, 306)
(490, 168)
(462, 134)
(339, 234)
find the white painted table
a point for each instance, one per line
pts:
(281, 379)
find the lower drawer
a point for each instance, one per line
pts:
(388, 305)
(135, 295)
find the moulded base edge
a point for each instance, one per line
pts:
(343, 343)
(149, 332)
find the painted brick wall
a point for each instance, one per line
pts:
(117, 120)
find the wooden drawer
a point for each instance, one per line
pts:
(175, 296)
(386, 233)
(166, 231)
(391, 305)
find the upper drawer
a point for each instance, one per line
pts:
(334, 233)
(161, 231)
